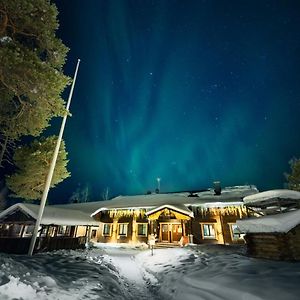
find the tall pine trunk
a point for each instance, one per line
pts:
(3, 150)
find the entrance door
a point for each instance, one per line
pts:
(165, 232)
(176, 232)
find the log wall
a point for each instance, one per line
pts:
(114, 237)
(220, 218)
(276, 246)
(222, 228)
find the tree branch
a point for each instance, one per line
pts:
(8, 161)
(37, 186)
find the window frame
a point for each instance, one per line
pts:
(16, 230)
(146, 229)
(240, 238)
(110, 229)
(68, 230)
(208, 237)
(124, 225)
(61, 230)
(26, 233)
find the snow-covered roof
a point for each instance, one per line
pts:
(53, 215)
(271, 197)
(81, 213)
(179, 208)
(86, 207)
(283, 222)
(228, 196)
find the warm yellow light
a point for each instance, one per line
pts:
(119, 213)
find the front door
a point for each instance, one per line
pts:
(165, 232)
(176, 232)
(171, 232)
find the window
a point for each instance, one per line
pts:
(68, 230)
(235, 233)
(4, 230)
(29, 230)
(43, 231)
(16, 229)
(123, 229)
(61, 230)
(208, 231)
(94, 233)
(142, 229)
(106, 229)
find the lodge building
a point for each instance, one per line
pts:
(206, 216)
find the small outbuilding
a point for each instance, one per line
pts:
(273, 231)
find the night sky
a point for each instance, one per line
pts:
(188, 91)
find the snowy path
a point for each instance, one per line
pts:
(130, 272)
(144, 274)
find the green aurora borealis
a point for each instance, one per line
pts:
(188, 91)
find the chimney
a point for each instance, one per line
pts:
(217, 188)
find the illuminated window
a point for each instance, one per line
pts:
(123, 229)
(50, 231)
(61, 230)
(142, 229)
(235, 233)
(106, 229)
(208, 231)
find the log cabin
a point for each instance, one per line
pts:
(206, 216)
(272, 230)
(197, 217)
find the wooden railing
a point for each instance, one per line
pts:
(19, 245)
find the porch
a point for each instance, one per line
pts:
(20, 245)
(15, 237)
(169, 223)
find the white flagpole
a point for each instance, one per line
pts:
(52, 166)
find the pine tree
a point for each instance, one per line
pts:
(31, 77)
(32, 162)
(3, 194)
(294, 178)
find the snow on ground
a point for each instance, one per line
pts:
(221, 272)
(60, 275)
(209, 272)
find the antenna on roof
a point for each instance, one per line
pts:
(158, 185)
